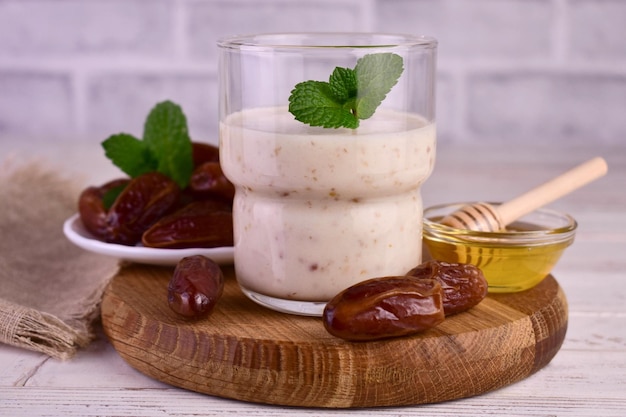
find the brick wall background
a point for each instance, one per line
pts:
(509, 70)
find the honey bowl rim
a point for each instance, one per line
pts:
(548, 236)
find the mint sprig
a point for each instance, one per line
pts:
(349, 95)
(166, 146)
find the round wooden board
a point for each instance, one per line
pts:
(247, 352)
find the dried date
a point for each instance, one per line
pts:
(201, 224)
(463, 285)
(92, 210)
(145, 200)
(208, 181)
(204, 152)
(195, 287)
(384, 307)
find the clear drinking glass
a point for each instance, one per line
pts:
(318, 209)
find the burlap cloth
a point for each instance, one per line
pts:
(50, 290)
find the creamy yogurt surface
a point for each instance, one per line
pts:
(318, 210)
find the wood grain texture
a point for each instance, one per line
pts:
(247, 352)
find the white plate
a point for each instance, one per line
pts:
(77, 234)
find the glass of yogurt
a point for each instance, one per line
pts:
(318, 209)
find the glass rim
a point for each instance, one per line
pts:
(288, 40)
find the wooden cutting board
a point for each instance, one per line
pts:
(247, 352)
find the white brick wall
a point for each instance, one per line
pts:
(509, 70)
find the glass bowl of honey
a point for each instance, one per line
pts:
(512, 260)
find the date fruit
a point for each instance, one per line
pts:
(145, 200)
(92, 210)
(204, 152)
(208, 181)
(463, 285)
(384, 307)
(201, 224)
(195, 287)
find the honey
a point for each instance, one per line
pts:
(513, 260)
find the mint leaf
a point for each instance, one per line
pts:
(166, 135)
(313, 103)
(349, 95)
(129, 154)
(376, 75)
(166, 146)
(343, 83)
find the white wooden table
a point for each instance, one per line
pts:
(586, 378)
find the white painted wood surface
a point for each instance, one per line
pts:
(586, 378)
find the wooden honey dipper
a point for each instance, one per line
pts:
(489, 218)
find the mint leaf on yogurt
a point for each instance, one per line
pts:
(313, 103)
(375, 77)
(350, 95)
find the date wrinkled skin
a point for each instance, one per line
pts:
(463, 285)
(91, 208)
(140, 204)
(208, 180)
(145, 200)
(201, 224)
(195, 287)
(384, 307)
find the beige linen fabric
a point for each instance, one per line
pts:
(50, 290)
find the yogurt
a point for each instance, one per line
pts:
(317, 210)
